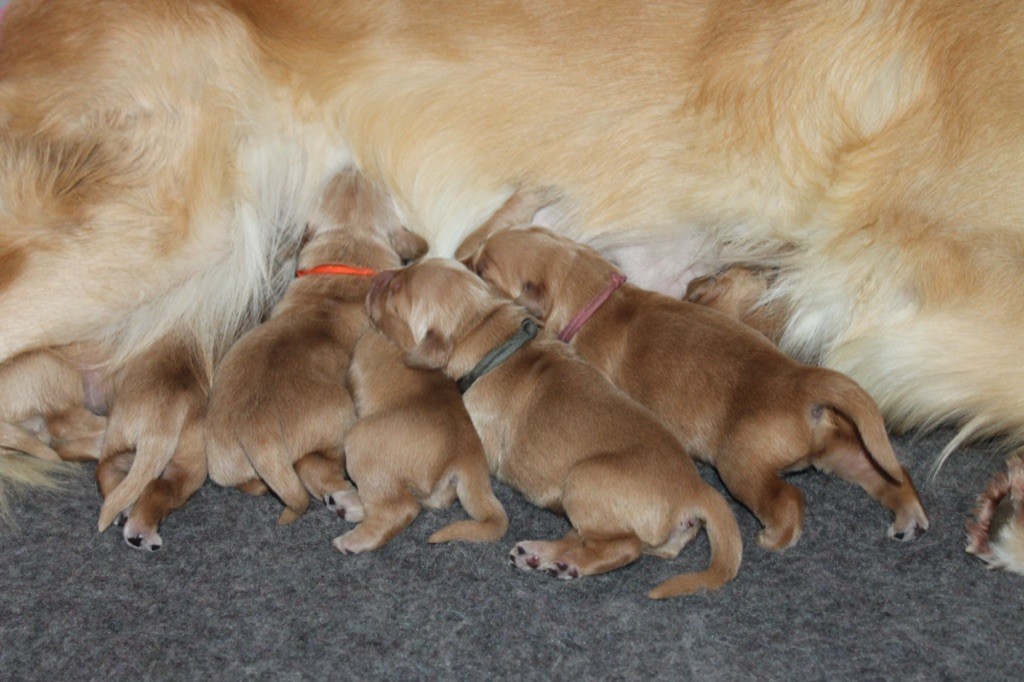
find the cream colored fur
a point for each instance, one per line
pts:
(160, 158)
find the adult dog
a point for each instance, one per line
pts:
(159, 158)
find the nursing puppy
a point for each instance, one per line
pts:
(558, 431)
(279, 408)
(414, 444)
(43, 409)
(870, 151)
(730, 396)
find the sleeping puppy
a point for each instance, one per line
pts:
(558, 431)
(732, 398)
(279, 408)
(414, 444)
(153, 458)
(44, 409)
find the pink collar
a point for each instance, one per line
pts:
(582, 316)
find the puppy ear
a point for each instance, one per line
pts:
(432, 352)
(409, 245)
(534, 298)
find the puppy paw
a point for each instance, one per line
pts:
(995, 534)
(354, 542)
(779, 537)
(141, 536)
(536, 556)
(346, 504)
(907, 529)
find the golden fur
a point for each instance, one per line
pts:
(557, 430)
(413, 444)
(727, 393)
(160, 156)
(280, 409)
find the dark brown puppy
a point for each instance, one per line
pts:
(732, 398)
(414, 444)
(279, 408)
(558, 431)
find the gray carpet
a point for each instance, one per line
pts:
(232, 595)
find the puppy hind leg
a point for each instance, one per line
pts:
(575, 556)
(540, 555)
(388, 513)
(322, 474)
(854, 465)
(183, 476)
(778, 505)
(473, 487)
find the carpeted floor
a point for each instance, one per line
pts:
(232, 595)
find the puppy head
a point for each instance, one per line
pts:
(356, 220)
(425, 308)
(535, 266)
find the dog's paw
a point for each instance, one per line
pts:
(907, 529)
(353, 542)
(346, 504)
(995, 534)
(142, 536)
(536, 556)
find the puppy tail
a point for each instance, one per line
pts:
(842, 394)
(726, 551)
(477, 497)
(153, 451)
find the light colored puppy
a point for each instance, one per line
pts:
(732, 398)
(279, 408)
(44, 409)
(414, 444)
(558, 431)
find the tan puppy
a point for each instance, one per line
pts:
(559, 432)
(279, 409)
(732, 398)
(43, 409)
(414, 444)
(153, 458)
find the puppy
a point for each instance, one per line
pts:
(731, 397)
(279, 408)
(153, 457)
(414, 444)
(44, 409)
(558, 431)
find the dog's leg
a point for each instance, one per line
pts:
(574, 556)
(182, 477)
(910, 521)
(778, 505)
(323, 474)
(388, 513)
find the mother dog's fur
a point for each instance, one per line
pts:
(159, 158)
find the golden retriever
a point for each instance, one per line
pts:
(727, 393)
(557, 430)
(160, 156)
(413, 444)
(279, 408)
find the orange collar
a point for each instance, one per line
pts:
(336, 269)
